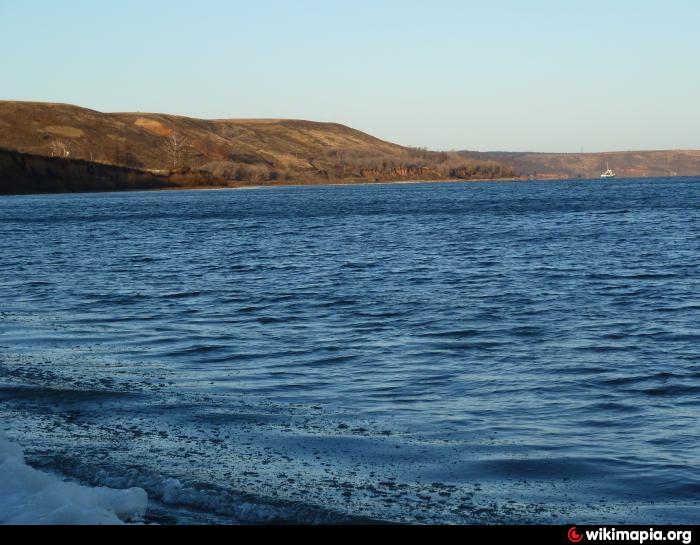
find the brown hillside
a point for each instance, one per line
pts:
(228, 150)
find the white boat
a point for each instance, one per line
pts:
(608, 173)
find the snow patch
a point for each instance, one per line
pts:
(29, 496)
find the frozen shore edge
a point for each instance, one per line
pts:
(30, 496)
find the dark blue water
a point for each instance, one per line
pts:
(486, 352)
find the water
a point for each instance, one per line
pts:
(486, 352)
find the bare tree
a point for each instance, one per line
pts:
(60, 148)
(177, 145)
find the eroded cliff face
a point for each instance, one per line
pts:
(25, 173)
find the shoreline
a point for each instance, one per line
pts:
(274, 184)
(321, 183)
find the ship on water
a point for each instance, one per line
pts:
(608, 172)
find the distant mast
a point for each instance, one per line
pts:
(608, 173)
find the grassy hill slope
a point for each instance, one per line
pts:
(224, 151)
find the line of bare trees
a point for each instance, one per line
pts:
(254, 173)
(60, 148)
(177, 146)
(444, 164)
(354, 163)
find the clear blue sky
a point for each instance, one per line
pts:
(489, 75)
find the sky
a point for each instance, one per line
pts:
(538, 75)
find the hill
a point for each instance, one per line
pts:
(181, 151)
(590, 165)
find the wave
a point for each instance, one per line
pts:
(165, 499)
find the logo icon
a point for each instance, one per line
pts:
(574, 536)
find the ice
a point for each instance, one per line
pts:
(29, 496)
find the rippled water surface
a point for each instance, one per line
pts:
(486, 352)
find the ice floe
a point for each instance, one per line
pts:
(30, 496)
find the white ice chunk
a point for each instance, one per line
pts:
(29, 496)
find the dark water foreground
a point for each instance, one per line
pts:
(487, 352)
